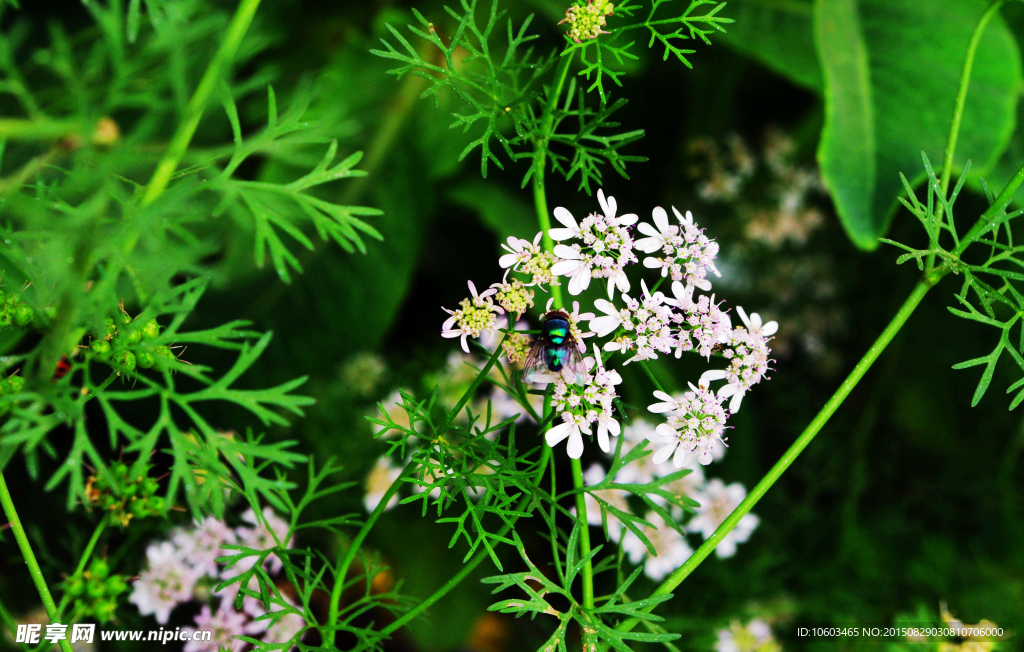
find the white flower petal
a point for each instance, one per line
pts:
(575, 446)
(566, 218)
(555, 436)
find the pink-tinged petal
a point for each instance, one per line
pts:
(653, 263)
(562, 234)
(465, 344)
(705, 457)
(604, 325)
(536, 238)
(679, 459)
(628, 219)
(508, 260)
(660, 219)
(755, 321)
(486, 293)
(566, 218)
(606, 307)
(566, 252)
(566, 267)
(472, 288)
(648, 230)
(679, 216)
(575, 446)
(514, 243)
(734, 402)
(448, 323)
(728, 390)
(663, 453)
(649, 245)
(555, 436)
(711, 375)
(608, 205)
(712, 249)
(770, 328)
(743, 315)
(664, 434)
(703, 284)
(451, 333)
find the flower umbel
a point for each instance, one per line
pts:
(587, 21)
(513, 296)
(747, 350)
(686, 253)
(581, 406)
(718, 500)
(604, 250)
(695, 423)
(475, 317)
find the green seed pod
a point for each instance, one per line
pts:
(99, 568)
(164, 351)
(151, 330)
(100, 347)
(145, 359)
(23, 315)
(105, 610)
(156, 504)
(128, 360)
(150, 486)
(95, 589)
(131, 489)
(124, 319)
(116, 585)
(135, 337)
(74, 586)
(110, 330)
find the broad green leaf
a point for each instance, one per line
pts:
(891, 69)
(779, 34)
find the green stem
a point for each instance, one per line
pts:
(994, 212)
(961, 95)
(341, 569)
(798, 446)
(41, 129)
(86, 554)
(581, 513)
(650, 374)
(474, 562)
(30, 558)
(194, 110)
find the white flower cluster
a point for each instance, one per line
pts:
(580, 406)
(604, 250)
(755, 636)
(686, 253)
(717, 500)
(640, 328)
(183, 569)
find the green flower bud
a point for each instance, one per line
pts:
(150, 486)
(74, 586)
(164, 351)
(12, 385)
(99, 568)
(95, 589)
(23, 315)
(151, 330)
(100, 347)
(116, 585)
(145, 359)
(124, 319)
(110, 330)
(105, 610)
(128, 360)
(135, 337)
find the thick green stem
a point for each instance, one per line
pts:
(30, 558)
(798, 446)
(961, 94)
(194, 110)
(581, 513)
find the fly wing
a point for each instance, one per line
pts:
(535, 369)
(574, 371)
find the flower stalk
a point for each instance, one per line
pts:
(30, 558)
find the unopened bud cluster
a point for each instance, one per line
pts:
(14, 311)
(130, 496)
(94, 591)
(588, 21)
(119, 334)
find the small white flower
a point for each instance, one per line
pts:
(756, 636)
(718, 500)
(167, 582)
(605, 247)
(687, 254)
(259, 537)
(378, 481)
(702, 324)
(670, 546)
(747, 351)
(572, 429)
(225, 623)
(476, 317)
(519, 251)
(695, 422)
(201, 544)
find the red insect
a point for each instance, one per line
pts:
(63, 367)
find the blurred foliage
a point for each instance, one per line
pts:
(908, 497)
